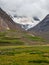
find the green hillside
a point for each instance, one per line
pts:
(19, 38)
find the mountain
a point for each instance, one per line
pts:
(26, 22)
(7, 23)
(12, 33)
(42, 29)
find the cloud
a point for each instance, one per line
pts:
(39, 8)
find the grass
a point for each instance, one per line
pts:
(5, 38)
(34, 38)
(39, 61)
(24, 55)
(17, 42)
(14, 51)
(19, 38)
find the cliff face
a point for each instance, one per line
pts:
(7, 23)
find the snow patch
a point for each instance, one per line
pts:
(26, 22)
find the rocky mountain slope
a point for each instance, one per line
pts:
(42, 29)
(7, 23)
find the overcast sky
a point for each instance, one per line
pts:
(39, 8)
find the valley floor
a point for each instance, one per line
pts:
(24, 55)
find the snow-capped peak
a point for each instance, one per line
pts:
(26, 22)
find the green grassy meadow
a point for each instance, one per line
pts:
(22, 48)
(19, 38)
(24, 55)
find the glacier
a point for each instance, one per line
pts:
(26, 22)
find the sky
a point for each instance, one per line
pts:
(39, 8)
